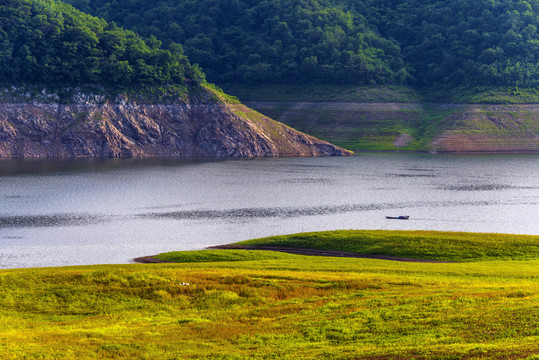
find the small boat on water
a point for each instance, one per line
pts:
(401, 217)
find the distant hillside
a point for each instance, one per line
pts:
(396, 118)
(365, 74)
(460, 128)
(464, 42)
(77, 86)
(449, 43)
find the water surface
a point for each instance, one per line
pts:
(55, 213)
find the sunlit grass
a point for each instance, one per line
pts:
(432, 245)
(286, 307)
(222, 255)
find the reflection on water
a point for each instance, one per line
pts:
(58, 220)
(10, 167)
(109, 211)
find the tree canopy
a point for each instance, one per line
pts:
(459, 43)
(51, 43)
(456, 43)
(264, 41)
(462, 42)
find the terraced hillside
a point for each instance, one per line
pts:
(486, 128)
(357, 126)
(399, 119)
(413, 126)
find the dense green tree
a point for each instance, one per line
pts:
(50, 43)
(268, 41)
(459, 42)
(462, 42)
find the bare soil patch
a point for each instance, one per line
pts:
(402, 140)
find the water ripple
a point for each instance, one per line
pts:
(410, 175)
(59, 220)
(478, 187)
(288, 212)
(52, 220)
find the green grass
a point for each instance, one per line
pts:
(221, 255)
(432, 245)
(288, 307)
(363, 128)
(483, 95)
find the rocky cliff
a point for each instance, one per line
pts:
(93, 127)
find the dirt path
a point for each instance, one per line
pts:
(299, 251)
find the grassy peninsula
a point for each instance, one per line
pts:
(426, 245)
(239, 304)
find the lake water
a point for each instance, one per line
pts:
(55, 213)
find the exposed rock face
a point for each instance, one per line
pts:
(120, 129)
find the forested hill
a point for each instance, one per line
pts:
(49, 43)
(417, 42)
(104, 92)
(462, 42)
(264, 41)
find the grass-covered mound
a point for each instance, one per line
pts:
(431, 245)
(221, 255)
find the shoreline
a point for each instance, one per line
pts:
(353, 152)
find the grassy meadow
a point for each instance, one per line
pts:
(428, 245)
(254, 304)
